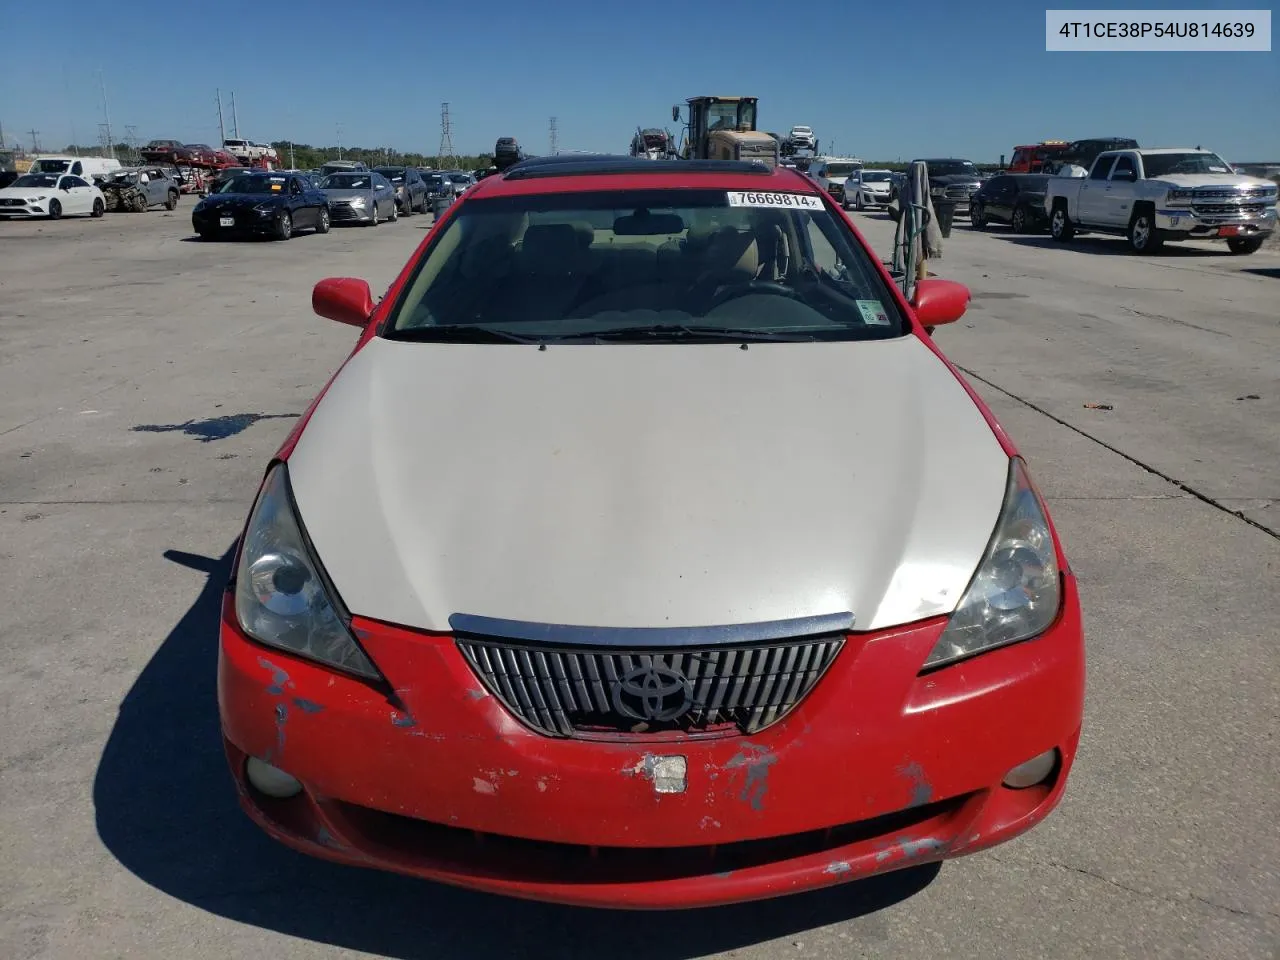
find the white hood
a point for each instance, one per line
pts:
(1187, 180)
(648, 485)
(27, 194)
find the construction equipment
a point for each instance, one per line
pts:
(653, 143)
(724, 128)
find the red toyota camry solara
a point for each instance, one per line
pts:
(645, 552)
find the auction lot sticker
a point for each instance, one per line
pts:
(796, 201)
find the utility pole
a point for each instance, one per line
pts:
(235, 124)
(555, 141)
(292, 165)
(222, 130)
(106, 116)
(446, 135)
(35, 143)
(339, 141)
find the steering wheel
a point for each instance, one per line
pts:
(736, 290)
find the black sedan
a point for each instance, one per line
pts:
(263, 204)
(1013, 198)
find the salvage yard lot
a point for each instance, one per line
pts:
(145, 379)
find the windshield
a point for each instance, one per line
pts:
(394, 174)
(52, 166)
(655, 139)
(253, 184)
(1162, 164)
(459, 178)
(36, 180)
(646, 265)
(873, 177)
(731, 116)
(346, 181)
(841, 169)
(948, 168)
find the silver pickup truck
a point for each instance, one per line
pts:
(1151, 196)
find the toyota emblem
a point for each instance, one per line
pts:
(653, 692)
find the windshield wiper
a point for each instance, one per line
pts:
(460, 333)
(693, 332)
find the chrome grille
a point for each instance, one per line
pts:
(1228, 209)
(568, 692)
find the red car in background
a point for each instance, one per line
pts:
(166, 151)
(202, 154)
(646, 552)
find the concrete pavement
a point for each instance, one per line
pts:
(144, 380)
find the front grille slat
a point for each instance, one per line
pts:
(578, 690)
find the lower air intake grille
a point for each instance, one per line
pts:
(582, 691)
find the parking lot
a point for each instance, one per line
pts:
(145, 378)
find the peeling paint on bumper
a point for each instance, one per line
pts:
(878, 769)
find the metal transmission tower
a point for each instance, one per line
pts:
(35, 140)
(446, 136)
(104, 140)
(555, 140)
(131, 138)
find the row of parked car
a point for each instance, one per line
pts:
(277, 203)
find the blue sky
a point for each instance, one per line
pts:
(980, 83)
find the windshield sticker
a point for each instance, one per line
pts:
(873, 313)
(277, 186)
(802, 201)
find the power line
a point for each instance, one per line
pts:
(555, 140)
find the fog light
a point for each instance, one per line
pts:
(271, 780)
(1036, 770)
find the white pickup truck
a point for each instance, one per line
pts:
(1150, 196)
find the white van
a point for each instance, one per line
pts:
(85, 167)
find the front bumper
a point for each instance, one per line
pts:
(26, 210)
(345, 213)
(879, 768)
(246, 222)
(871, 198)
(1208, 223)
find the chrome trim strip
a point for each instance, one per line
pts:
(572, 635)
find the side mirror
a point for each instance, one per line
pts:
(939, 301)
(345, 299)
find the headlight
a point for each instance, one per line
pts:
(1179, 196)
(264, 208)
(1016, 592)
(281, 596)
(937, 191)
(357, 201)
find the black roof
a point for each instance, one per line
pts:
(578, 165)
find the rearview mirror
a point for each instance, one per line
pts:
(345, 299)
(646, 224)
(940, 301)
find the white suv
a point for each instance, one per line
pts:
(802, 138)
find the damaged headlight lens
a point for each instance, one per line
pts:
(1016, 592)
(281, 597)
